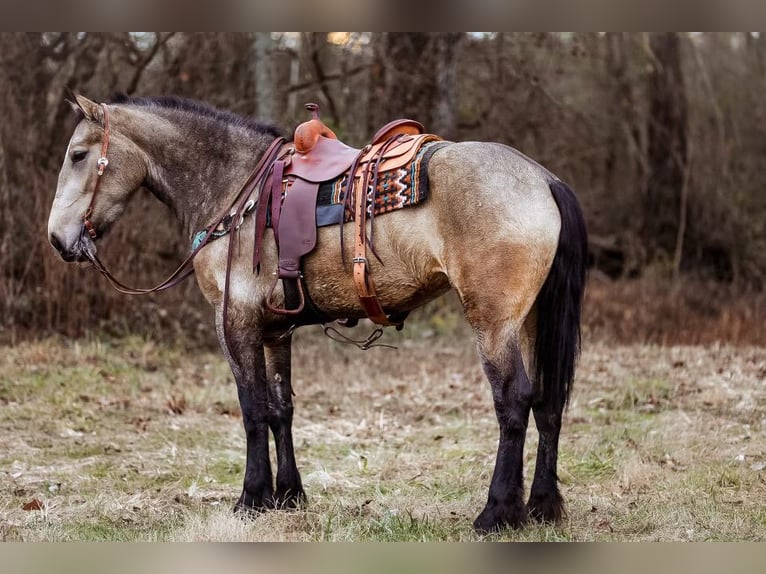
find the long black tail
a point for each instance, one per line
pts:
(559, 303)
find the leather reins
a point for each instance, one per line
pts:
(258, 176)
(185, 269)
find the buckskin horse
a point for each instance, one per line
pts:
(502, 231)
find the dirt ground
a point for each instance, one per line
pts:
(131, 440)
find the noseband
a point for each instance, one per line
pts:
(103, 162)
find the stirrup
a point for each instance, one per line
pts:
(279, 311)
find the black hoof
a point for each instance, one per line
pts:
(289, 499)
(546, 506)
(248, 512)
(250, 505)
(497, 517)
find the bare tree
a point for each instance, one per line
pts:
(447, 51)
(667, 150)
(266, 91)
(614, 114)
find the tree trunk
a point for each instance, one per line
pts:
(409, 65)
(265, 88)
(376, 82)
(625, 149)
(5, 202)
(447, 49)
(666, 147)
(316, 58)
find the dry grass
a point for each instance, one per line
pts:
(686, 311)
(131, 440)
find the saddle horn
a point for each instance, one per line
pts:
(314, 109)
(307, 134)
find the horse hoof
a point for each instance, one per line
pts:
(247, 512)
(546, 507)
(499, 517)
(251, 506)
(289, 500)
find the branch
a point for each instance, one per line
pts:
(144, 63)
(329, 78)
(321, 79)
(681, 232)
(59, 50)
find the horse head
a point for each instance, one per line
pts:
(101, 171)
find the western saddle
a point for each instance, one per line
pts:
(289, 196)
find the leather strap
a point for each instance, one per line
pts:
(298, 231)
(271, 192)
(185, 269)
(277, 184)
(101, 166)
(365, 286)
(297, 227)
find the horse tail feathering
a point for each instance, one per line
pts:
(559, 303)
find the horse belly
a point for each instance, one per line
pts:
(407, 275)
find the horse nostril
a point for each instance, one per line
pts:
(56, 242)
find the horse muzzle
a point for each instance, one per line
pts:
(82, 249)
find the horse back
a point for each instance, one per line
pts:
(482, 198)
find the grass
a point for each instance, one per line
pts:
(131, 440)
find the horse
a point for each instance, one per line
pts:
(499, 229)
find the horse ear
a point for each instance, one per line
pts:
(69, 98)
(93, 112)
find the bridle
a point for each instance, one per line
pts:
(101, 166)
(236, 212)
(185, 269)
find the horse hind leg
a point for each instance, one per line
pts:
(556, 347)
(545, 501)
(503, 365)
(514, 395)
(497, 311)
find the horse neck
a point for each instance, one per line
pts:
(197, 169)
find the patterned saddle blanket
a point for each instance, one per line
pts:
(397, 188)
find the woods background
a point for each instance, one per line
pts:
(661, 135)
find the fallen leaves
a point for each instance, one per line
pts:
(34, 504)
(176, 404)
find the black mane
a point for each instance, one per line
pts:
(198, 108)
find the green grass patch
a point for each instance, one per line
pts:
(594, 465)
(651, 395)
(129, 440)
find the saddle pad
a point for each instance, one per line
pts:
(397, 188)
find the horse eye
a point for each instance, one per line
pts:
(78, 156)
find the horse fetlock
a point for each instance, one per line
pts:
(257, 498)
(289, 498)
(497, 516)
(546, 505)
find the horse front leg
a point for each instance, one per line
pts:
(244, 350)
(512, 395)
(289, 492)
